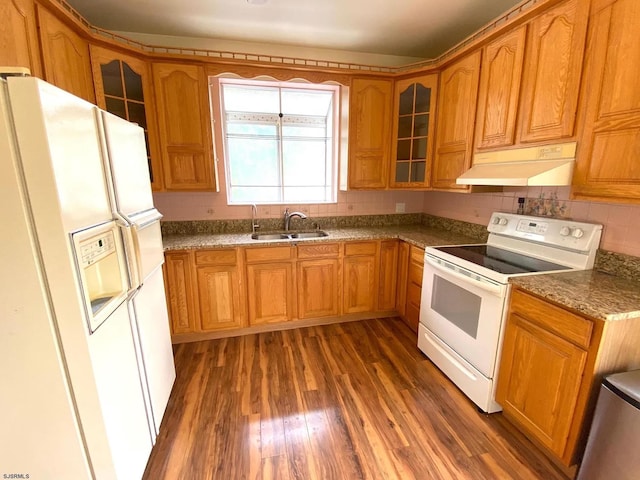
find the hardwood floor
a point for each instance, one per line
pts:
(345, 401)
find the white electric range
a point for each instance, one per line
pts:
(466, 287)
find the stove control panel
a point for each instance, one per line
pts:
(556, 232)
(528, 226)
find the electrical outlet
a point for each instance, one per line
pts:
(400, 207)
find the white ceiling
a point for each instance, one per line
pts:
(416, 28)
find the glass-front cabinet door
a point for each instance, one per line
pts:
(414, 121)
(124, 87)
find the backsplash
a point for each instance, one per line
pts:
(625, 266)
(213, 206)
(546, 205)
(276, 224)
(620, 234)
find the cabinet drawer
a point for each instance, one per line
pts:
(266, 254)
(417, 255)
(563, 323)
(359, 248)
(216, 257)
(319, 250)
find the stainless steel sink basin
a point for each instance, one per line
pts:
(314, 234)
(271, 236)
(289, 236)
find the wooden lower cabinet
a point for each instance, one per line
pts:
(180, 290)
(270, 284)
(220, 289)
(403, 273)
(221, 304)
(411, 285)
(388, 276)
(270, 289)
(213, 290)
(360, 277)
(221, 297)
(553, 361)
(318, 288)
(543, 381)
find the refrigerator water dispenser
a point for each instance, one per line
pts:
(102, 272)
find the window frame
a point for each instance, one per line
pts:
(334, 121)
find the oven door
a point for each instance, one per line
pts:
(464, 310)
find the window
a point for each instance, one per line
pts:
(279, 141)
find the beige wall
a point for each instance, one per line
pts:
(621, 226)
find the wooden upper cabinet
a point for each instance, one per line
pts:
(184, 120)
(413, 132)
(369, 132)
(65, 56)
(552, 73)
(500, 79)
(456, 118)
(607, 163)
(18, 36)
(124, 87)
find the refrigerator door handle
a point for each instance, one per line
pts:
(147, 242)
(132, 253)
(150, 217)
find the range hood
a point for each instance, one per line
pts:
(547, 165)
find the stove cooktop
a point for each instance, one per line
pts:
(500, 260)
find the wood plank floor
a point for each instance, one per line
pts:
(346, 401)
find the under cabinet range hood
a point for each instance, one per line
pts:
(547, 165)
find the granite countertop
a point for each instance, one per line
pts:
(597, 294)
(419, 236)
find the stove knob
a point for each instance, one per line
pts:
(495, 220)
(503, 221)
(577, 233)
(565, 231)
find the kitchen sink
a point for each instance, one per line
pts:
(289, 236)
(314, 234)
(271, 236)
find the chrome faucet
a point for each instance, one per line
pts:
(287, 218)
(254, 214)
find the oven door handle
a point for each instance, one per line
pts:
(483, 283)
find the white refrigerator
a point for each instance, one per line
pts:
(87, 365)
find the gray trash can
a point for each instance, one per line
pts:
(612, 448)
